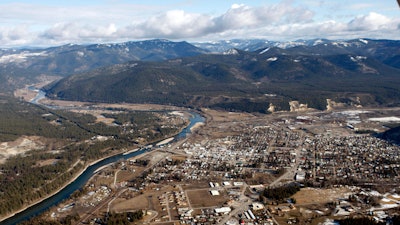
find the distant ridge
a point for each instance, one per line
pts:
(355, 72)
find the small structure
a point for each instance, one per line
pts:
(251, 214)
(214, 192)
(300, 176)
(223, 210)
(238, 183)
(226, 183)
(257, 206)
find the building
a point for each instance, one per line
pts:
(223, 210)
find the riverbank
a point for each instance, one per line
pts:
(46, 197)
(78, 174)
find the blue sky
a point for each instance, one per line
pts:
(47, 23)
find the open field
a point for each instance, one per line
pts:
(320, 196)
(223, 116)
(136, 203)
(27, 95)
(203, 198)
(150, 200)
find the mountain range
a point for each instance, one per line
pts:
(21, 66)
(359, 71)
(235, 75)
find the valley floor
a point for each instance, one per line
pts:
(218, 174)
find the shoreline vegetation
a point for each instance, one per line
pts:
(58, 190)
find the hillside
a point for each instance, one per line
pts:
(353, 72)
(19, 67)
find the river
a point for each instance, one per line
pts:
(82, 179)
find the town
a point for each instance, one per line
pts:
(220, 173)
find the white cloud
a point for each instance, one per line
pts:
(235, 6)
(179, 24)
(75, 31)
(372, 21)
(282, 21)
(18, 35)
(172, 24)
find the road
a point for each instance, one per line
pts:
(290, 173)
(115, 177)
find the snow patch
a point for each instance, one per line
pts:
(344, 44)
(272, 59)
(353, 112)
(231, 52)
(264, 51)
(80, 53)
(361, 57)
(385, 206)
(385, 119)
(363, 41)
(357, 58)
(317, 42)
(21, 57)
(289, 44)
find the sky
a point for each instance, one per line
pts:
(51, 23)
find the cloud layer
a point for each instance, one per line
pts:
(282, 21)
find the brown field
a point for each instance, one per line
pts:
(194, 186)
(136, 203)
(124, 175)
(178, 157)
(260, 178)
(319, 196)
(139, 107)
(222, 116)
(98, 114)
(25, 94)
(147, 201)
(203, 198)
(101, 179)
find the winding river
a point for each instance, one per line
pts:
(82, 179)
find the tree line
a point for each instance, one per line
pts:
(281, 193)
